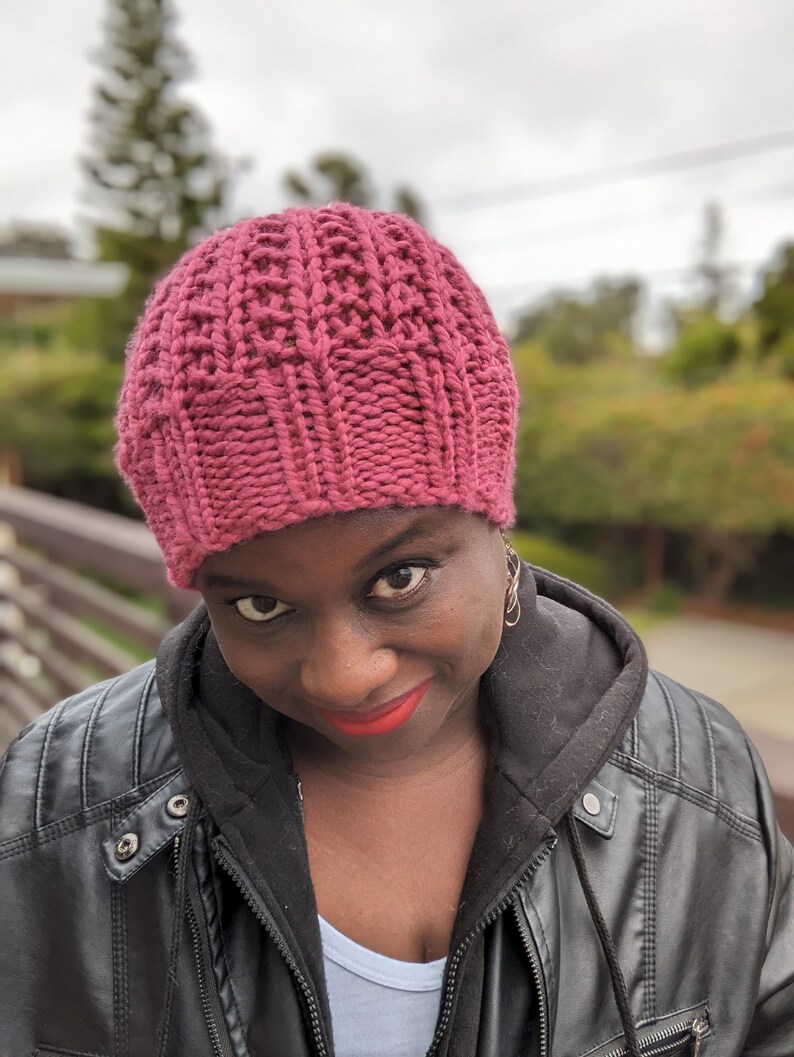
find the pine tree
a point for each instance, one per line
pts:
(334, 176)
(774, 312)
(156, 184)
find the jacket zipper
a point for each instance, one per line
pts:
(217, 1045)
(665, 1041)
(220, 1049)
(700, 1029)
(497, 907)
(274, 933)
(537, 976)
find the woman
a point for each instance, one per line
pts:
(387, 792)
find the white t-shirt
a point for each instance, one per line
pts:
(380, 1007)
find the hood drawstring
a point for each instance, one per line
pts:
(184, 857)
(607, 943)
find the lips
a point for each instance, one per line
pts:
(380, 720)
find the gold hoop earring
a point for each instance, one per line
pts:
(512, 604)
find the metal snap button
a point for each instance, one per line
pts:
(591, 804)
(177, 806)
(126, 846)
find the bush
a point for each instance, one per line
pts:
(721, 457)
(561, 559)
(56, 415)
(705, 350)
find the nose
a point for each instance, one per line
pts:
(342, 666)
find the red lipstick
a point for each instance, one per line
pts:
(382, 719)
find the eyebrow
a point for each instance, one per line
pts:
(415, 531)
(224, 580)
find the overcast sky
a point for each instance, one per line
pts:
(455, 98)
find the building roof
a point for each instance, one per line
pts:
(39, 277)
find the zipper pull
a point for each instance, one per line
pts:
(700, 1029)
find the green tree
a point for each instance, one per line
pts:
(713, 276)
(705, 349)
(581, 330)
(156, 184)
(774, 312)
(56, 421)
(705, 346)
(716, 465)
(336, 176)
(712, 289)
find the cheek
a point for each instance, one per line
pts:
(255, 666)
(473, 623)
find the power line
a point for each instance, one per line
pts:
(569, 183)
(624, 220)
(494, 290)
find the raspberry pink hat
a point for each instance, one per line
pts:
(313, 362)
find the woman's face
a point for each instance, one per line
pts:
(369, 629)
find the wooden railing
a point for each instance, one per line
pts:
(83, 595)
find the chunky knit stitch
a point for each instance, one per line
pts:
(311, 362)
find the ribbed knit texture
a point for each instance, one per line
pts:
(311, 362)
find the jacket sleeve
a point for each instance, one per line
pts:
(772, 1030)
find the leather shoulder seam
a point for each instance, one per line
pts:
(746, 827)
(704, 719)
(44, 835)
(137, 747)
(88, 739)
(674, 726)
(45, 750)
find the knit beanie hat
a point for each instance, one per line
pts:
(312, 362)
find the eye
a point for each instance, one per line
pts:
(399, 582)
(260, 609)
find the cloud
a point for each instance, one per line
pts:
(448, 96)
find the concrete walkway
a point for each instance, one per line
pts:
(748, 669)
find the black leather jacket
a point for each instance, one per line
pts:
(681, 850)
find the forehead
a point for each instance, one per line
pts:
(343, 542)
